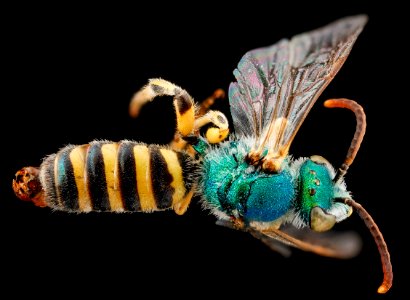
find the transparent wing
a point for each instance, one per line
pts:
(276, 86)
(341, 245)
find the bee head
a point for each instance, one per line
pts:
(317, 193)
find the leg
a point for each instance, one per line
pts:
(188, 121)
(181, 207)
(183, 102)
(215, 133)
(208, 102)
(220, 129)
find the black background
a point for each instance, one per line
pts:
(69, 75)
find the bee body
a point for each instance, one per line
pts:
(232, 187)
(250, 182)
(123, 176)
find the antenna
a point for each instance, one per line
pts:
(358, 135)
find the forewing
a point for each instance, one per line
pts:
(252, 98)
(276, 86)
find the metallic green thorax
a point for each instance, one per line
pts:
(315, 188)
(233, 188)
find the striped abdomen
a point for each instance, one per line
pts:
(124, 176)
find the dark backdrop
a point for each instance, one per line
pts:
(70, 73)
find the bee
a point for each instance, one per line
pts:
(250, 182)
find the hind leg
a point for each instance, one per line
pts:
(189, 118)
(183, 103)
(215, 133)
(205, 105)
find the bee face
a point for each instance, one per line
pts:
(318, 193)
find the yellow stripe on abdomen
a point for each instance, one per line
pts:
(78, 158)
(174, 168)
(144, 183)
(110, 154)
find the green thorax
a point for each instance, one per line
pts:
(233, 188)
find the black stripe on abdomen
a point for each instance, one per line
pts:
(48, 182)
(161, 179)
(97, 185)
(65, 180)
(190, 169)
(128, 177)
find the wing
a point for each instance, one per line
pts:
(341, 245)
(276, 86)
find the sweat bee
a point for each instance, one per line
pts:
(250, 182)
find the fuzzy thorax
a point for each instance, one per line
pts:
(230, 187)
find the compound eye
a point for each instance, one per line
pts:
(320, 160)
(320, 220)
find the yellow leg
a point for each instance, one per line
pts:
(179, 144)
(189, 119)
(183, 103)
(182, 206)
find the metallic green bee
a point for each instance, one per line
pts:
(249, 182)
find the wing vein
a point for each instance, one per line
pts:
(278, 85)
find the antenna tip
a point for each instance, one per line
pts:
(383, 289)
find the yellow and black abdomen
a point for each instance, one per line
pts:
(124, 176)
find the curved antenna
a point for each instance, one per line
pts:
(381, 244)
(358, 135)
